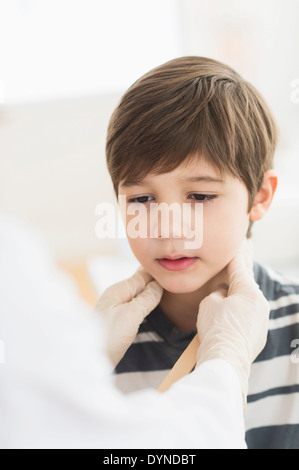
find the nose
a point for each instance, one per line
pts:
(168, 221)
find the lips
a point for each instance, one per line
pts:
(177, 262)
(174, 257)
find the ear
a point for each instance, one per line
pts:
(263, 199)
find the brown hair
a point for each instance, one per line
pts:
(191, 106)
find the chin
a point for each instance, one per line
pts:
(180, 288)
(181, 291)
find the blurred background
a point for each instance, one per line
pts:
(64, 65)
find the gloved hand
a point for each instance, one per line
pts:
(233, 321)
(123, 307)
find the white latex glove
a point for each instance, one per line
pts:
(123, 308)
(233, 321)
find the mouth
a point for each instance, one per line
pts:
(177, 262)
(175, 257)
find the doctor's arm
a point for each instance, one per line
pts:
(55, 382)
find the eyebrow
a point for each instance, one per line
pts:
(192, 179)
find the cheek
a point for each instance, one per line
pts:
(141, 248)
(224, 232)
(136, 244)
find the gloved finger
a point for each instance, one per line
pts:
(146, 276)
(243, 260)
(147, 300)
(210, 305)
(240, 271)
(124, 291)
(218, 294)
(135, 284)
(220, 291)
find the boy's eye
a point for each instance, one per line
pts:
(203, 197)
(140, 199)
(195, 196)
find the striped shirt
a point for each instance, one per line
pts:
(272, 414)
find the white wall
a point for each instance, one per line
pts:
(53, 171)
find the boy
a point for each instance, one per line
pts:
(193, 131)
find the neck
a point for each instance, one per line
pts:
(182, 309)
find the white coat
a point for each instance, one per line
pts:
(56, 389)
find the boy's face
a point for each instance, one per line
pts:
(225, 224)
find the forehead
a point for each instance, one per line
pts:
(199, 170)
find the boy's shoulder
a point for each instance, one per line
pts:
(275, 284)
(272, 414)
(282, 293)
